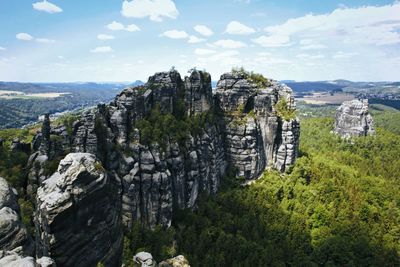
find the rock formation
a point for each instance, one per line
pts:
(145, 259)
(178, 261)
(256, 136)
(13, 233)
(237, 127)
(78, 214)
(353, 119)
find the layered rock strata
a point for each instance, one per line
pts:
(353, 119)
(239, 128)
(13, 234)
(78, 214)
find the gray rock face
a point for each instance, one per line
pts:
(353, 119)
(157, 179)
(77, 219)
(14, 259)
(144, 259)
(256, 136)
(178, 261)
(13, 233)
(198, 95)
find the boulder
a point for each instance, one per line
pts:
(13, 258)
(78, 214)
(178, 261)
(144, 259)
(13, 233)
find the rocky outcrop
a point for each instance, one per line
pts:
(236, 126)
(198, 93)
(178, 261)
(353, 119)
(78, 214)
(145, 259)
(15, 259)
(13, 233)
(256, 136)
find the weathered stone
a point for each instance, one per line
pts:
(178, 261)
(78, 214)
(14, 259)
(144, 259)
(353, 119)
(246, 133)
(45, 262)
(13, 233)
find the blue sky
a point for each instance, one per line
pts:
(116, 40)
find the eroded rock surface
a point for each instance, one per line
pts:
(353, 119)
(13, 233)
(256, 136)
(238, 127)
(178, 261)
(78, 214)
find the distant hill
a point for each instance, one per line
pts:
(305, 87)
(18, 111)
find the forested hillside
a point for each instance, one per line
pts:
(338, 206)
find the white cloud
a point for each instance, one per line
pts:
(46, 6)
(132, 28)
(102, 49)
(376, 25)
(235, 27)
(24, 36)
(105, 37)
(60, 57)
(154, 9)
(272, 41)
(201, 51)
(175, 34)
(344, 55)
(117, 26)
(230, 44)
(45, 40)
(194, 39)
(203, 30)
(2, 48)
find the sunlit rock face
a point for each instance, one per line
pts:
(256, 136)
(245, 133)
(78, 214)
(353, 119)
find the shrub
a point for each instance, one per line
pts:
(284, 111)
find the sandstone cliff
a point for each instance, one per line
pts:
(118, 173)
(353, 119)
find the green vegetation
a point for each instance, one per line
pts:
(258, 79)
(338, 206)
(158, 127)
(158, 241)
(284, 111)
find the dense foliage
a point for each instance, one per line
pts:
(284, 110)
(160, 128)
(338, 206)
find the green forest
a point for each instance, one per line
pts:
(338, 206)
